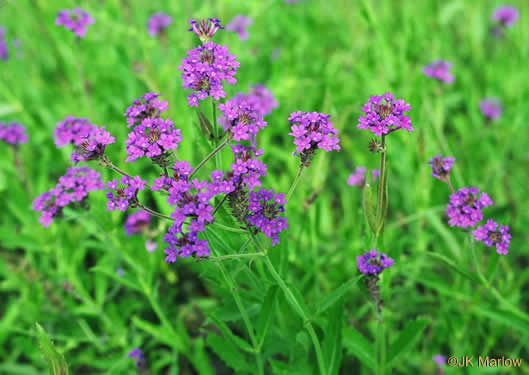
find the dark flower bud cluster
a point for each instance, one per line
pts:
(73, 187)
(384, 114)
(13, 133)
(124, 193)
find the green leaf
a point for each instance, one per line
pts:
(56, 362)
(358, 346)
(205, 125)
(266, 315)
(505, 318)
(385, 200)
(406, 340)
(455, 267)
(227, 352)
(369, 207)
(332, 343)
(228, 334)
(159, 333)
(336, 294)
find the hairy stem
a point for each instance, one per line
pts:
(154, 213)
(211, 154)
(381, 345)
(237, 256)
(381, 185)
(219, 205)
(294, 183)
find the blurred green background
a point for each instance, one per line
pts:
(331, 56)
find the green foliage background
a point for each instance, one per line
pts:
(334, 54)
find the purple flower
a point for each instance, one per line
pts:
(464, 207)
(120, 272)
(491, 108)
(73, 130)
(138, 357)
(240, 24)
(137, 222)
(150, 245)
(506, 15)
(157, 23)
(376, 174)
(153, 136)
(261, 99)
(73, 187)
(241, 119)
(247, 169)
(205, 29)
(13, 133)
(75, 20)
(204, 69)
(373, 262)
(358, 178)
(4, 53)
(264, 209)
(124, 193)
(384, 115)
(439, 70)
(440, 360)
(441, 167)
(490, 235)
(93, 146)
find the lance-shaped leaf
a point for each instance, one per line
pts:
(55, 360)
(205, 125)
(369, 207)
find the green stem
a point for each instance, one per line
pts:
(155, 213)
(211, 154)
(219, 205)
(236, 256)
(229, 229)
(381, 187)
(218, 160)
(294, 183)
(381, 345)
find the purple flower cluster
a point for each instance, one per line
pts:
(4, 52)
(490, 235)
(137, 222)
(373, 262)
(464, 207)
(260, 98)
(384, 115)
(439, 70)
(247, 168)
(506, 15)
(264, 213)
(76, 20)
(73, 187)
(240, 24)
(491, 108)
(441, 167)
(157, 23)
(205, 68)
(13, 133)
(205, 29)
(439, 360)
(124, 193)
(358, 178)
(139, 359)
(241, 119)
(73, 130)
(312, 130)
(93, 147)
(152, 136)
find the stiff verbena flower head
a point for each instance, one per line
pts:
(4, 52)
(490, 235)
(138, 222)
(241, 119)
(264, 209)
(205, 29)
(76, 20)
(247, 169)
(465, 207)
(260, 98)
(373, 262)
(240, 25)
(139, 359)
(93, 146)
(312, 130)
(491, 108)
(73, 130)
(441, 167)
(205, 69)
(506, 15)
(157, 23)
(153, 136)
(439, 70)
(124, 193)
(358, 178)
(13, 133)
(73, 187)
(384, 114)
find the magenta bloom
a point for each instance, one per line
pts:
(373, 262)
(240, 25)
(76, 20)
(73, 130)
(204, 70)
(241, 119)
(265, 209)
(13, 133)
(137, 223)
(358, 178)
(441, 167)
(205, 29)
(375, 174)
(73, 187)
(490, 235)
(158, 23)
(260, 98)
(439, 70)
(491, 108)
(384, 115)
(4, 52)
(439, 360)
(139, 359)
(506, 15)
(93, 147)
(247, 169)
(124, 193)
(464, 208)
